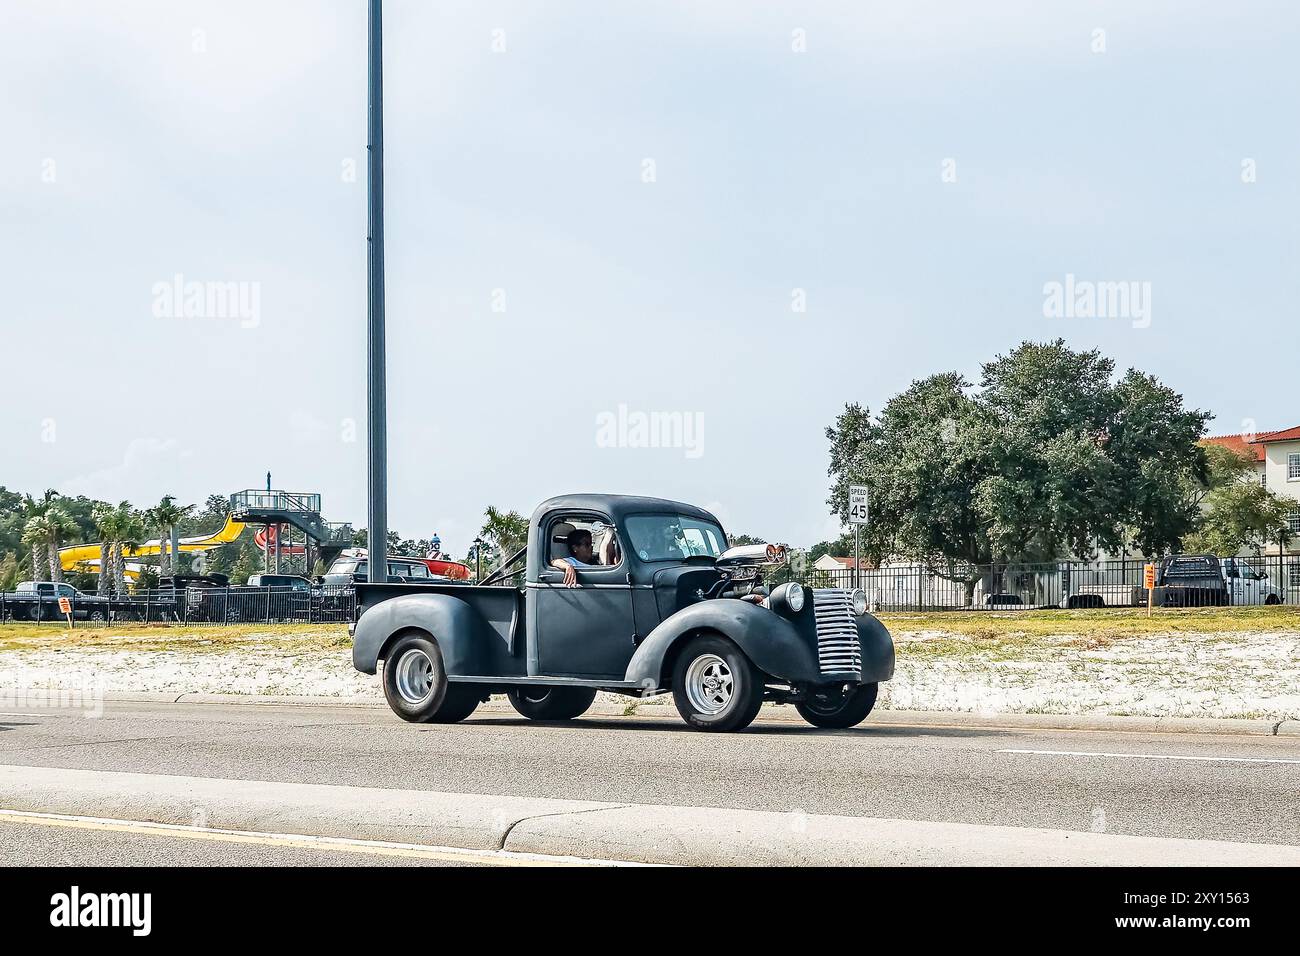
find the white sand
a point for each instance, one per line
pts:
(1248, 674)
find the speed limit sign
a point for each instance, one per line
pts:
(858, 507)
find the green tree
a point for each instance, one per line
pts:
(1049, 456)
(36, 535)
(165, 518)
(9, 571)
(122, 529)
(58, 524)
(104, 513)
(1240, 514)
(506, 531)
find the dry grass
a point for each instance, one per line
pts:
(1104, 623)
(1029, 635)
(948, 633)
(292, 638)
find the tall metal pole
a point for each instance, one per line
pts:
(376, 419)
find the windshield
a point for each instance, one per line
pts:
(344, 566)
(674, 537)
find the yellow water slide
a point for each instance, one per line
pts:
(88, 554)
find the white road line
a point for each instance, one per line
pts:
(25, 714)
(1094, 753)
(300, 841)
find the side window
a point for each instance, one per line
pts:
(65, 590)
(588, 538)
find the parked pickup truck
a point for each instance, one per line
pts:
(1248, 584)
(637, 596)
(1185, 580)
(39, 601)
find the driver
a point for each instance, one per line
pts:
(581, 555)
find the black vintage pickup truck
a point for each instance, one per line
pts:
(656, 603)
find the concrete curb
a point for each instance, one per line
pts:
(661, 708)
(692, 836)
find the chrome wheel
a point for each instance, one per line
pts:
(709, 684)
(414, 676)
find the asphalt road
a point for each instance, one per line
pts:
(1192, 786)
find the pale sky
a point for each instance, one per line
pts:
(912, 173)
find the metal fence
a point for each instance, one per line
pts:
(229, 605)
(1270, 579)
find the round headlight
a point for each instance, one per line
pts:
(859, 600)
(794, 596)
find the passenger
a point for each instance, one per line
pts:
(581, 555)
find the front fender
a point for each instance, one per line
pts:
(877, 650)
(767, 639)
(461, 632)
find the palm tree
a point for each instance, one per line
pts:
(507, 530)
(36, 532)
(103, 515)
(35, 535)
(122, 528)
(58, 524)
(166, 518)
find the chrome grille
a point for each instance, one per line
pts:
(837, 631)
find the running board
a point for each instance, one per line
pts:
(621, 685)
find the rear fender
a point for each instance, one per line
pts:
(461, 631)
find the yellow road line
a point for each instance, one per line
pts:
(297, 841)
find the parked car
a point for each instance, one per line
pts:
(349, 570)
(295, 581)
(1191, 580)
(39, 601)
(666, 607)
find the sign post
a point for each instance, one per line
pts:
(65, 608)
(859, 512)
(1149, 580)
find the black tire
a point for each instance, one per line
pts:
(461, 701)
(96, 615)
(711, 670)
(551, 703)
(1272, 599)
(831, 707)
(414, 662)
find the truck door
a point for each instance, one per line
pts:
(584, 631)
(1232, 578)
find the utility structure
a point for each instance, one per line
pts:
(376, 411)
(285, 512)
